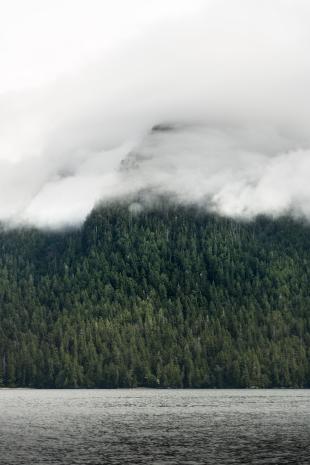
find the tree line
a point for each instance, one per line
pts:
(169, 296)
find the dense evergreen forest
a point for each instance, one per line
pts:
(169, 296)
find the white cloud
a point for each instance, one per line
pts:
(83, 91)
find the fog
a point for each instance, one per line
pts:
(206, 100)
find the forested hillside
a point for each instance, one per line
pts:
(167, 297)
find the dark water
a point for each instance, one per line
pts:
(154, 427)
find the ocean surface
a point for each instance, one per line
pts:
(140, 426)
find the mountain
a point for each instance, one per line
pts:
(163, 296)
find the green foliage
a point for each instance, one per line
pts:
(169, 297)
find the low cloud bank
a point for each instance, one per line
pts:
(213, 107)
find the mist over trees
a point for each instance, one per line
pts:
(162, 297)
(224, 85)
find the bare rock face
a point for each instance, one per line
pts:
(136, 158)
(133, 161)
(163, 127)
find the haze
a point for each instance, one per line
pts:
(207, 100)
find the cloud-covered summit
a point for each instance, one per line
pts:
(212, 105)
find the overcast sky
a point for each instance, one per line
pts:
(82, 83)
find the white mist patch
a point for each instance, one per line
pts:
(223, 84)
(227, 170)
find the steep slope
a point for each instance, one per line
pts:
(167, 296)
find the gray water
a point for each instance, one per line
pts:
(154, 427)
